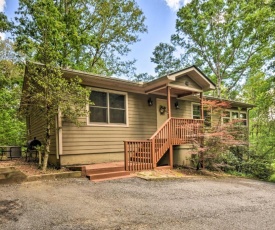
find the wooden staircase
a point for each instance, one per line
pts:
(105, 171)
(145, 154)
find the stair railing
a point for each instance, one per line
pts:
(142, 155)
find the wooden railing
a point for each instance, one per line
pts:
(142, 155)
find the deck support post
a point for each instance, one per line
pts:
(171, 156)
(201, 157)
(168, 102)
(126, 156)
(201, 104)
(153, 154)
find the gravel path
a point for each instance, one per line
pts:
(138, 204)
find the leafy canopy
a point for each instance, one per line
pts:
(88, 35)
(226, 38)
(163, 57)
(12, 128)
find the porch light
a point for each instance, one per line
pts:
(177, 105)
(150, 102)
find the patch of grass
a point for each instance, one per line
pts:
(240, 174)
(272, 178)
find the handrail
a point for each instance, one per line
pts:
(168, 120)
(145, 154)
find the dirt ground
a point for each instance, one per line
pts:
(29, 168)
(133, 203)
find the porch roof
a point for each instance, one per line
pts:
(193, 73)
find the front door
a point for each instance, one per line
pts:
(161, 111)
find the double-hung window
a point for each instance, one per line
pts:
(108, 107)
(206, 114)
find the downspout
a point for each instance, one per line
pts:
(248, 132)
(201, 104)
(59, 146)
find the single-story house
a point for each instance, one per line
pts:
(139, 123)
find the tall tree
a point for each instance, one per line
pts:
(89, 35)
(163, 57)
(12, 129)
(50, 95)
(226, 37)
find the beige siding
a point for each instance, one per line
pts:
(36, 128)
(186, 81)
(89, 139)
(184, 110)
(94, 144)
(91, 144)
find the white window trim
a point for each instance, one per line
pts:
(109, 124)
(235, 111)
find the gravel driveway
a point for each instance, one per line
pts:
(138, 204)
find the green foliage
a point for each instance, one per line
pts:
(12, 128)
(226, 38)
(163, 57)
(258, 167)
(86, 35)
(143, 77)
(5, 25)
(51, 94)
(272, 178)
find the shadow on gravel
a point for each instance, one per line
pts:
(10, 210)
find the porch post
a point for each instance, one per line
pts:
(201, 103)
(171, 152)
(201, 155)
(168, 102)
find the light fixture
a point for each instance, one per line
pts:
(150, 102)
(177, 105)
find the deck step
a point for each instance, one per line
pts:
(104, 170)
(107, 175)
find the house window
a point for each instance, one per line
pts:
(239, 117)
(206, 114)
(107, 107)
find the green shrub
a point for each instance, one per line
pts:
(272, 178)
(258, 168)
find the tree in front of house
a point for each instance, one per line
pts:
(50, 95)
(87, 35)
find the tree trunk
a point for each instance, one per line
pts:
(47, 149)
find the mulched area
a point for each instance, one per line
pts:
(28, 168)
(180, 172)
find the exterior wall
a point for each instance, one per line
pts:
(89, 144)
(97, 144)
(94, 144)
(182, 156)
(36, 128)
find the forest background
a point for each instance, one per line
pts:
(233, 42)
